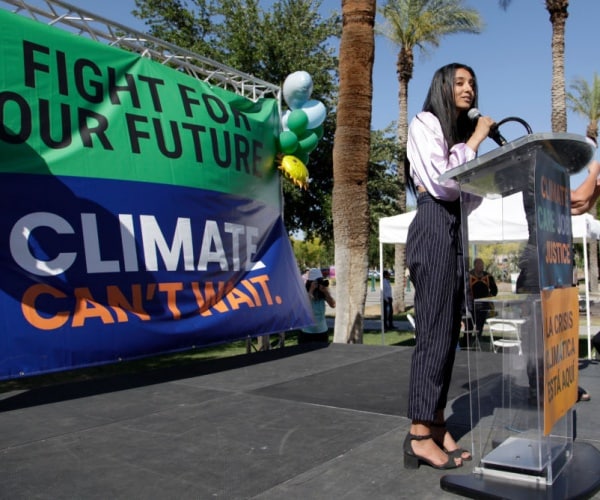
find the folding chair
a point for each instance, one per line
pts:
(468, 331)
(504, 334)
(411, 320)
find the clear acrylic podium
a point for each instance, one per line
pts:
(523, 371)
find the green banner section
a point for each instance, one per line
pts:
(70, 106)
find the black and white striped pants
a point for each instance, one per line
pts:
(434, 258)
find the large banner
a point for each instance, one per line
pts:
(141, 208)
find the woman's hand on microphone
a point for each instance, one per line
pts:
(482, 129)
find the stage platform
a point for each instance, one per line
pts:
(320, 422)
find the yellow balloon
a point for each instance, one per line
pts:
(295, 170)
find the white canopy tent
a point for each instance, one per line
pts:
(498, 220)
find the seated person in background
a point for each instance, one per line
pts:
(482, 285)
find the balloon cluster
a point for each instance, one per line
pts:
(302, 126)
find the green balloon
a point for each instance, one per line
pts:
(288, 142)
(297, 121)
(302, 156)
(319, 131)
(308, 143)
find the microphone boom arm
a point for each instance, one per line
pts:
(515, 119)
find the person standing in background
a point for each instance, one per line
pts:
(407, 279)
(388, 301)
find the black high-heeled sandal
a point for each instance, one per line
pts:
(458, 453)
(413, 461)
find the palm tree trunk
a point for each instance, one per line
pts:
(558, 17)
(404, 69)
(350, 207)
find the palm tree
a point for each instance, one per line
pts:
(410, 24)
(585, 101)
(350, 207)
(558, 17)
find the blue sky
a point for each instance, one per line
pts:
(511, 57)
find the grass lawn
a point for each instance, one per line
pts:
(177, 359)
(370, 337)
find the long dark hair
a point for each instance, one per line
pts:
(440, 102)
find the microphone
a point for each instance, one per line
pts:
(494, 134)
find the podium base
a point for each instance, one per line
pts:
(579, 479)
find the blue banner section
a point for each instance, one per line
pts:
(94, 271)
(553, 224)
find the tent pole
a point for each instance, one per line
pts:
(381, 291)
(587, 294)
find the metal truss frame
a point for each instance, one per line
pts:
(87, 24)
